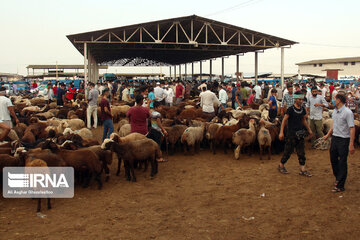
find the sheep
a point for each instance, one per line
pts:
(192, 137)
(125, 130)
(327, 125)
(264, 139)
(244, 137)
(265, 114)
(105, 157)
(263, 107)
(84, 132)
(118, 111)
(45, 115)
(224, 134)
(80, 160)
(174, 134)
(75, 124)
(121, 123)
(145, 150)
(211, 130)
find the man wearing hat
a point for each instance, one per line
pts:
(296, 131)
(160, 94)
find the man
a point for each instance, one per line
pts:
(288, 99)
(331, 88)
(71, 92)
(296, 122)
(323, 89)
(15, 89)
(61, 95)
(233, 92)
(244, 93)
(180, 91)
(6, 112)
(159, 93)
(138, 116)
(238, 97)
(279, 92)
(223, 97)
(342, 141)
(202, 86)
(257, 90)
(48, 94)
(126, 94)
(106, 115)
(169, 95)
(207, 100)
(315, 105)
(92, 107)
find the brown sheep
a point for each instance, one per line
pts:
(174, 134)
(244, 137)
(264, 139)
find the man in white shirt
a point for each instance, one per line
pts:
(126, 94)
(201, 87)
(323, 90)
(207, 100)
(6, 112)
(169, 95)
(160, 94)
(223, 97)
(48, 94)
(257, 90)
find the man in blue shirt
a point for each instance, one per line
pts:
(233, 92)
(61, 94)
(342, 141)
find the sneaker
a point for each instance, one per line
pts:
(282, 170)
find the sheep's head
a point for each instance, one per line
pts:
(115, 137)
(106, 145)
(19, 151)
(67, 131)
(69, 145)
(48, 144)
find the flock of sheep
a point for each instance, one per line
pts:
(49, 135)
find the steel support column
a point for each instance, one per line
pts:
(256, 67)
(170, 72)
(85, 64)
(237, 68)
(185, 71)
(180, 72)
(210, 69)
(222, 69)
(282, 68)
(175, 72)
(192, 71)
(200, 70)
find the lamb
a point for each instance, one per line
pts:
(118, 111)
(145, 150)
(81, 160)
(192, 137)
(125, 130)
(84, 132)
(128, 138)
(75, 124)
(174, 134)
(244, 137)
(105, 157)
(264, 139)
(121, 123)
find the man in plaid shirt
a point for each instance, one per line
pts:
(288, 99)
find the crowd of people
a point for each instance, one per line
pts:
(299, 105)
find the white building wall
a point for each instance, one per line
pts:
(347, 70)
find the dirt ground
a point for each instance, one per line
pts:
(204, 196)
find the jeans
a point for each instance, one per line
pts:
(293, 142)
(339, 151)
(272, 114)
(316, 127)
(108, 128)
(91, 110)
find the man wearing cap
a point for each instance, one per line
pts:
(160, 94)
(6, 112)
(315, 105)
(288, 99)
(223, 97)
(169, 95)
(342, 141)
(296, 122)
(257, 90)
(92, 106)
(179, 92)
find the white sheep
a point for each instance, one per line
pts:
(193, 136)
(244, 137)
(125, 130)
(83, 133)
(264, 139)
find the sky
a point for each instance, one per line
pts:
(34, 31)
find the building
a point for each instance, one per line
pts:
(336, 68)
(10, 77)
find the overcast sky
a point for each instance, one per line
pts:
(34, 31)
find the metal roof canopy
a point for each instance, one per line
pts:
(62, 66)
(172, 41)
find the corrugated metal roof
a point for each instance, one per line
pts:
(331, 60)
(62, 66)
